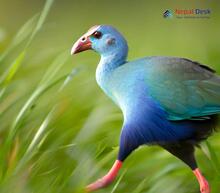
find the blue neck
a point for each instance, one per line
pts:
(111, 61)
(106, 66)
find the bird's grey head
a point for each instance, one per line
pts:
(104, 39)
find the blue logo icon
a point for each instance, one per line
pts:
(167, 14)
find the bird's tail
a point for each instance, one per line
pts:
(205, 128)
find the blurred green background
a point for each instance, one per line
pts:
(58, 131)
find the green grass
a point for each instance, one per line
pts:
(59, 131)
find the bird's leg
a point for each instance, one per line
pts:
(128, 143)
(107, 179)
(204, 185)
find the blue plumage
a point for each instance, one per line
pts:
(152, 92)
(164, 100)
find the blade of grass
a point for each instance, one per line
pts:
(17, 122)
(31, 150)
(51, 113)
(210, 153)
(118, 181)
(40, 90)
(35, 96)
(56, 65)
(39, 136)
(141, 186)
(9, 74)
(41, 20)
(15, 66)
(21, 35)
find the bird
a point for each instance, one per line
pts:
(171, 102)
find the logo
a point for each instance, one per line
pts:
(187, 13)
(167, 14)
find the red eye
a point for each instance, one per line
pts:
(97, 34)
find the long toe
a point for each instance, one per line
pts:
(204, 185)
(96, 185)
(204, 188)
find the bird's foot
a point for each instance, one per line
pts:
(107, 179)
(204, 185)
(100, 183)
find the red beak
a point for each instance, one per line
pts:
(81, 45)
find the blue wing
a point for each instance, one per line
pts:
(185, 89)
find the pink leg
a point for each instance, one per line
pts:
(204, 185)
(107, 179)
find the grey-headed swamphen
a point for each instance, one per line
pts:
(168, 101)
